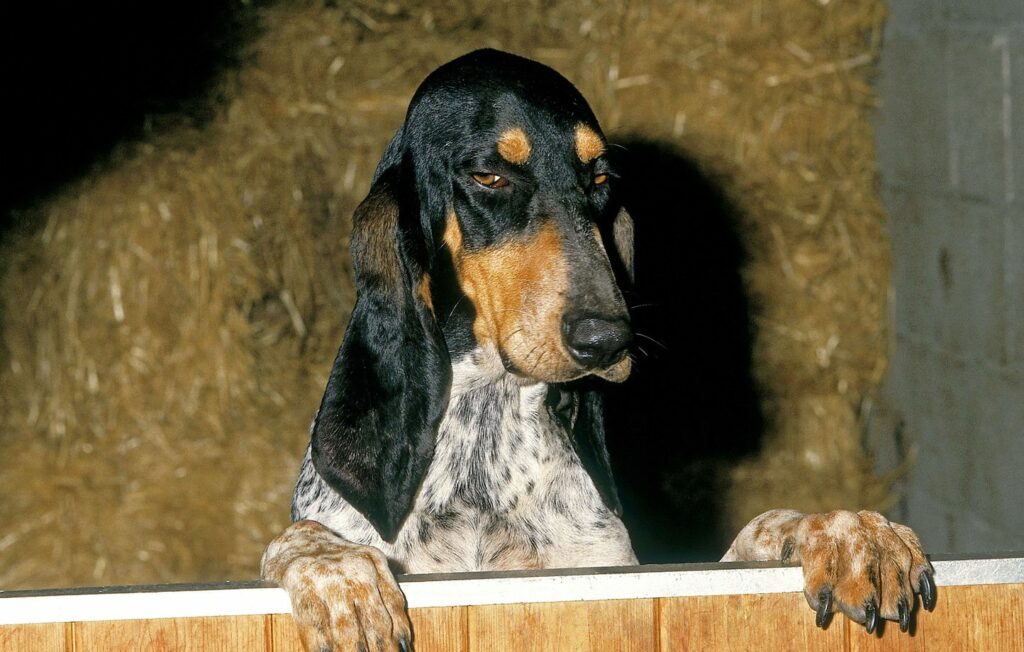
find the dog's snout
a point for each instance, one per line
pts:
(595, 341)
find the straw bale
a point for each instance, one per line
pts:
(169, 320)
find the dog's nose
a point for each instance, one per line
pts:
(596, 341)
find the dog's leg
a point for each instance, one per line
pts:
(857, 562)
(344, 596)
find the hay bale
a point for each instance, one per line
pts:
(170, 320)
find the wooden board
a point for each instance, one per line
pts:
(660, 609)
(49, 637)
(284, 635)
(989, 617)
(626, 625)
(173, 634)
(773, 621)
(440, 629)
(437, 629)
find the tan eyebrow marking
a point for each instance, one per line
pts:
(588, 144)
(514, 146)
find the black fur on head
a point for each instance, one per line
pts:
(373, 437)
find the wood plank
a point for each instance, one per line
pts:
(771, 621)
(438, 629)
(49, 637)
(621, 625)
(979, 616)
(989, 617)
(177, 634)
(284, 634)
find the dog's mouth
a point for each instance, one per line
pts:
(567, 369)
(617, 372)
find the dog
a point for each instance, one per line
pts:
(461, 428)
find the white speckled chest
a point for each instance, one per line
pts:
(505, 490)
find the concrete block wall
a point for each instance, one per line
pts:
(950, 133)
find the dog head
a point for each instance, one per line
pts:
(491, 226)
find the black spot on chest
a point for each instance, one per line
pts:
(425, 532)
(488, 423)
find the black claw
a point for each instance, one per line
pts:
(870, 616)
(824, 608)
(904, 612)
(927, 590)
(403, 645)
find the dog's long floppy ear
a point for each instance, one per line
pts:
(373, 437)
(589, 442)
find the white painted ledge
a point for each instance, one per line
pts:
(462, 589)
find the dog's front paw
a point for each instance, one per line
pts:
(343, 595)
(862, 564)
(859, 563)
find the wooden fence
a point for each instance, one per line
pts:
(702, 607)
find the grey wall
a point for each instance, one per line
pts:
(950, 135)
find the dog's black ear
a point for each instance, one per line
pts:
(373, 437)
(589, 442)
(622, 236)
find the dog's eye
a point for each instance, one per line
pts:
(600, 179)
(490, 180)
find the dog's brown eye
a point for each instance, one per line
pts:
(490, 180)
(600, 179)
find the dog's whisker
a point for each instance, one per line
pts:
(454, 308)
(510, 336)
(543, 352)
(644, 305)
(648, 337)
(527, 365)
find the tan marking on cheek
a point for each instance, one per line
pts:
(424, 291)
(518, 292)
(514, 146)
(588, 144)
(453, 234)
(500, 279)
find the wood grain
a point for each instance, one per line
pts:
(49, 637)
(440, 629)
(284, 635)
(626, 625)
(989, 617)
(773, 621)
(172, 634)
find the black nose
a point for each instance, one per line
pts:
(596, 341)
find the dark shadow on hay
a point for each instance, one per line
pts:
(691, 407)
(89, 76)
